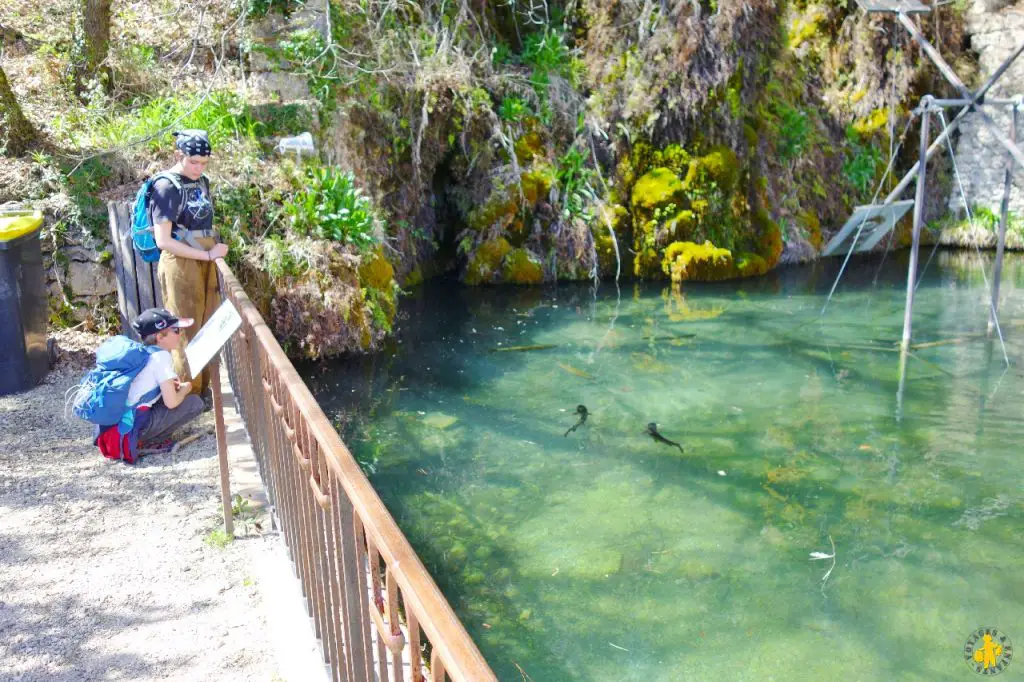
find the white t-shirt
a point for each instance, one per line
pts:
(158, 369)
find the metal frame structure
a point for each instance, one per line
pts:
(969, 102)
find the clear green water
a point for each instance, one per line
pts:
(603, 555)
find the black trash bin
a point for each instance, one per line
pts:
(24, 360)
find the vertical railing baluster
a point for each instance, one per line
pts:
(396, 628)
(378, 606)
(415, 648)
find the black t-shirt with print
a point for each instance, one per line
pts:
(196, 210)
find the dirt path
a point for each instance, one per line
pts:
(107, 571)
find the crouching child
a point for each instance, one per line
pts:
(133, 396)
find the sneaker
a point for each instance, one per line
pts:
(156, 447)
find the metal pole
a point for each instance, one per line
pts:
(902, 385)
(1004, 214)
(908, 312)
(222, 446)
(994, 101)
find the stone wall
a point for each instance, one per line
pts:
(996, 28)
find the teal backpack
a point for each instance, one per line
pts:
(142, 225)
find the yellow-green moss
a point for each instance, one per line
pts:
(804, 28)
(522, 267)
(872, 123)
(812, 226)
(750, 265)
(486, 261)
(686, 261)
(536, 184)
(721, 166)
(375, 271)
(528, 147)
(500, 208)
(414, 278)
(655, 189)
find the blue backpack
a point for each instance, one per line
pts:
(142, 224)
(102, 395)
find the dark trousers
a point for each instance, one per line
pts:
(164, 421)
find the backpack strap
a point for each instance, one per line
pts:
(177, 231)
(175, 180)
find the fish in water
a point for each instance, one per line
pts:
(581, 410)
(572, 370)
(652, 430)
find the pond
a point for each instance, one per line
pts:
(603, 554)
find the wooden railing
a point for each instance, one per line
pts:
(373, 605)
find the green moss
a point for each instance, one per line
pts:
(750, 265)
(414, 278)
(721, 166)
(529, 147)
(536, 184)
(500, 209)
(685, 261)
(812, 226)
(804, 28)
(522, 267)
(376, 272)
(769, 237)
(656, 189)
(486, 261)
(873, 123)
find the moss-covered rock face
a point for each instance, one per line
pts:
(485, 265)
(321, 298)
(522, 267)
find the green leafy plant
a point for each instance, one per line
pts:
(330, 206)
(218, 538)
(794, 131)
(574, 177)
(862, 163)
(513, 109)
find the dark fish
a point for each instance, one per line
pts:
(652, 430)
(581, 410)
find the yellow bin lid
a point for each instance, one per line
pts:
(14, 225)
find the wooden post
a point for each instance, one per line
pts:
(908, 312)
(1004, 214)
(222, 446)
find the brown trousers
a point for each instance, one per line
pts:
(190, 289)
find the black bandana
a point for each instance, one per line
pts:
(193, 142)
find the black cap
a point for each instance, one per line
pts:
(193, 142)
(156, 320)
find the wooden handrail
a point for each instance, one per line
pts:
(454, 651)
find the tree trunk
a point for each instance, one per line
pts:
(15, 130)
(96, 25)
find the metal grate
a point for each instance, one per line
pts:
(905, 6)
(878, 221)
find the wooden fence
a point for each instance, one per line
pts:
(138, 287)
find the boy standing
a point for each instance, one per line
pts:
(162, 402)
(188, 276)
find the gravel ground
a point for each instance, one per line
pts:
(107, 571)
